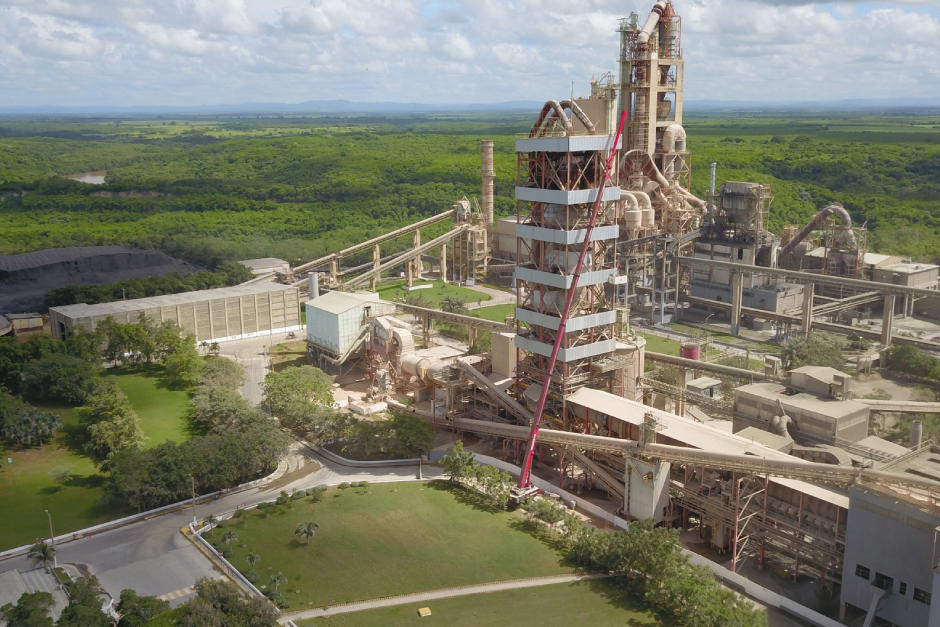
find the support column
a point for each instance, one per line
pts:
(471, 336)
(809, 291)
(444, 263)
(376, 262)
(418, 266)
(737, 292)
(887, 321)
(334, 271)
(427, 331)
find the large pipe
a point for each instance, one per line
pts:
(557, 112)
(580, 114)
(487, 174)
(651, 22)
(847, 237)
(674, 138)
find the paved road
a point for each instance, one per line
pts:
(252, 353)
(430, 595)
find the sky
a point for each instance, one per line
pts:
(183, 53)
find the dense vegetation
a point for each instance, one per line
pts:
(647, 559)
(211, 190)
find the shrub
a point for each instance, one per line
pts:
(344, 485)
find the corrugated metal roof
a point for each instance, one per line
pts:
(337, 302)
(698, 436)
(39, 258)
(83, 310)
(831, 407)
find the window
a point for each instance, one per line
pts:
(863, 572)
(922, 596)
(902, 589)
(883, 581)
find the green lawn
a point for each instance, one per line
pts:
(162, 411)
(597, 602)
(658, 344)
(60, 479)
(387, 539)
(432, 297)
(54, 478)
(494, 312)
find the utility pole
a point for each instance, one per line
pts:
(192, 480)
(55, 563)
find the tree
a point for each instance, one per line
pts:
(452, 304)
(414, 434)
(306, 530)
(31, 610)
(183, 364)
(137, 610)
(252, 559)
(296, 385)
(111, 425)
(59, 377)
(229, 536)
(277, 579)
(22, 424)
(458, 463)
(220, 603)
(41, 552)
(816, 349)
(84, 608)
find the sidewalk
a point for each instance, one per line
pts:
(430, 595)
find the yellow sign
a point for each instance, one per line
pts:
(424, 611)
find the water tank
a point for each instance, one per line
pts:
(690, 351)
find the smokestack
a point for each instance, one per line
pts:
(314, 285)
(487, 176)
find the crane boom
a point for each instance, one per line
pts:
(559, 338)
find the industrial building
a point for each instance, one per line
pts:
(337, 323)
(226, 313)
(892, 550)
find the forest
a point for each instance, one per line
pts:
(217, 189)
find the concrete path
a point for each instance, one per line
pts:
(430, 595)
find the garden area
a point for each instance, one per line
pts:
(381, 540)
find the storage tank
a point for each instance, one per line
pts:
(690, 351)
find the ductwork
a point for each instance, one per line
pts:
(845, 238)
(557, 111)
(651, 22)
(674, 138)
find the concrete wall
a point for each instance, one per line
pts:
(890, 537)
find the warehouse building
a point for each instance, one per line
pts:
(337, 324)
(226, 313)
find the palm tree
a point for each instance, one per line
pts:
(229, 536)
(41, 552)
(306, 530)
(277, 579)
(452, 304)
(252, 559)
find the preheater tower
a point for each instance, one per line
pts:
(560, 172)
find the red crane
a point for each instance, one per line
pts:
(540, 408)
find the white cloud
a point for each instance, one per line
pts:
(191, 52)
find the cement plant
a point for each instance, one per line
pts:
(761, 469)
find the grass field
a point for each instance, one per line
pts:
(494, 312)
(431, 297)
(288, 354)
(386, 539)
(60, 479)
(597, 602)
(162, 411)
(54, 478)
(660, 344)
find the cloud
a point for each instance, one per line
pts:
(191, 52)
